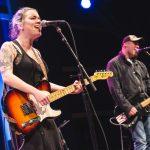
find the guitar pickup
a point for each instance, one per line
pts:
(27, 109)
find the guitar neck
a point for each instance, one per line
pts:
(92, 79)
(145, 102)
(67, 90)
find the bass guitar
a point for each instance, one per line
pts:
(28, 113)
(121, 119)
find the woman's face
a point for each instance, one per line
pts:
(31, 24)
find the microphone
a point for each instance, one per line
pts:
(143, 49)
(46, 23)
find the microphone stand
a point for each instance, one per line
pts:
(85, 93)
(147, 53)
(61, 135)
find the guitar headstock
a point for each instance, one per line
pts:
(102, 75)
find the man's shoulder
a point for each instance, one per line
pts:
(113, 60)
(141, 63)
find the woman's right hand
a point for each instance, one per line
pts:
(42, 97)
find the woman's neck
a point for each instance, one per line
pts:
(26, 43)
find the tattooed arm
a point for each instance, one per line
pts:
(7, 56)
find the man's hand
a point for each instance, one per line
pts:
(133, 111)
(78, 87)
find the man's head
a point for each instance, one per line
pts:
(130, 44)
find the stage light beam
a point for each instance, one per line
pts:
(86, 4)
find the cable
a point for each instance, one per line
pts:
(61, 135)
(100, 125)
(23, 141)
(73, 39)
(121, 138)
(120, 128)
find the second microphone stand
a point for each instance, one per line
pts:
(85, 94)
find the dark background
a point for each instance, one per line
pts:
(98, 33)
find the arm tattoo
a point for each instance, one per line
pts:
(6, 57)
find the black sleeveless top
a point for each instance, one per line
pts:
(26, 68)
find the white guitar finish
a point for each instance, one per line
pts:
(44, 111)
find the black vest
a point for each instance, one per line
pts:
(26, 68)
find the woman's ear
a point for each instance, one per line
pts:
(20, 26)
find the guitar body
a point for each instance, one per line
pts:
(142, 105)
(20, 108)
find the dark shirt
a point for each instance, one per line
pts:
(27, 68)
(130, 80)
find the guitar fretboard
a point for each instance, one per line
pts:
(67, 90)
(145, 102)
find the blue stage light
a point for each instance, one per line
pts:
(86, 4)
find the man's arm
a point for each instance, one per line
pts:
(115, 88)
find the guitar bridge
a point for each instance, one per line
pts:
(31, 121)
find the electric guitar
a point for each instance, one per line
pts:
(28, 113)
(128, 121)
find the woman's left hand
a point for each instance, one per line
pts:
(78, 87)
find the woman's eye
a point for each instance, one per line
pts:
(34, 17)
